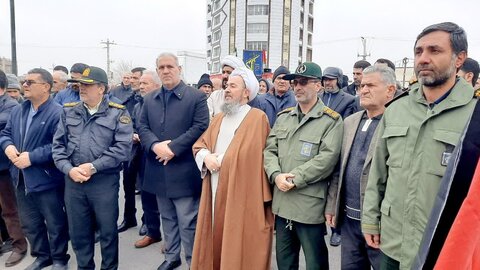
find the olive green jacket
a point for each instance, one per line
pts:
(308, 149)
(410, 159)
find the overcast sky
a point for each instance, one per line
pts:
(54, 32)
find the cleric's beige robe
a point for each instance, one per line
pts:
(243, 224)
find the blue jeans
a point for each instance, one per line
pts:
(356, 254)
(93, 205)
(44, 222)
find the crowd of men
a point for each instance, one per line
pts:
(228, 166)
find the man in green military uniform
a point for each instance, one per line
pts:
(418, 133)
(302, 150)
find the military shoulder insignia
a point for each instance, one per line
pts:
(286, 110)
(125, 119)
(404, 94)
(477, 93)
(331, 113)
(116, 105)
(70, 104)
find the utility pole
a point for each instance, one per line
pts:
(13, 38)
(364, 44)
(107, 46)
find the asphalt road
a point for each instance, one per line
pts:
(150, 258)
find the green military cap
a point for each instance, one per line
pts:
(92, 75)
(306, 69)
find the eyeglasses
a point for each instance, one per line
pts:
(303, 81)
(30, 82)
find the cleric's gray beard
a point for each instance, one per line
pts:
(230, 108)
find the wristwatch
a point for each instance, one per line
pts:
(93, 170)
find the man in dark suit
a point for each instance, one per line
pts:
(347, 188)
(334, 97)
(172, 119)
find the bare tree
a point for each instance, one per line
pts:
(120, 68)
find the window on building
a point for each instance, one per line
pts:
(216, 4)
(309, 55)
(216, 51)
(209, 53)
(310, 24)
(300, 51)
(209, 8)
(256, 45)
(301, 17)
(303, 3)
(310, 8)
(309, 40)
(216, 67)
(257, 28)
(301, 34)
(217, 35)
(209, 23)
(216, 20)
(209, 39)
(257, 10)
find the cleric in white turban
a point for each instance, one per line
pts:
(235, 221)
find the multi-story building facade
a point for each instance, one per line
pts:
(281, 28)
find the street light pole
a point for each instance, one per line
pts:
(13, 37)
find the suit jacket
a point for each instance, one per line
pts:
(343, 103)
(183, 120)
(335, 199)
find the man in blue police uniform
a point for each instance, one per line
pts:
(27, 142)
(172, 120)
(71, 94)
(90, 144)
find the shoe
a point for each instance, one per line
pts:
(59, 266)
(6, 246)
(146, 241)
(335, 240)
(169, 265)
(39, 264)
(126, 225)
(143, 230)
(14, 258)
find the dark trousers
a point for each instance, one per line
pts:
(44, 222)
(93, 205)
(389, 263)
(151, 214)
(130, 173)
(356, 254)
(179, 218)
(3, 228)
(8, 202)
(308, 236)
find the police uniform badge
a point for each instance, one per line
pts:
(125, 119)
(306, 149)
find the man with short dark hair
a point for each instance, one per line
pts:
(417, 135)
(61, 68)
(469, 71)
(70, 94)
(385, 62)
(128, 97)
(358, 68)
(8, 201)
(93, 138)
(27, 142)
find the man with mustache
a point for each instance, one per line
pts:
(417, 135)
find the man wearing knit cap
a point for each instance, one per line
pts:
(205, 84)
(216, 99)
(229, 157)
(334, 97)
(13, 88)
(282, 97)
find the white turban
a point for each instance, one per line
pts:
(251, 82)
(232, 61)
